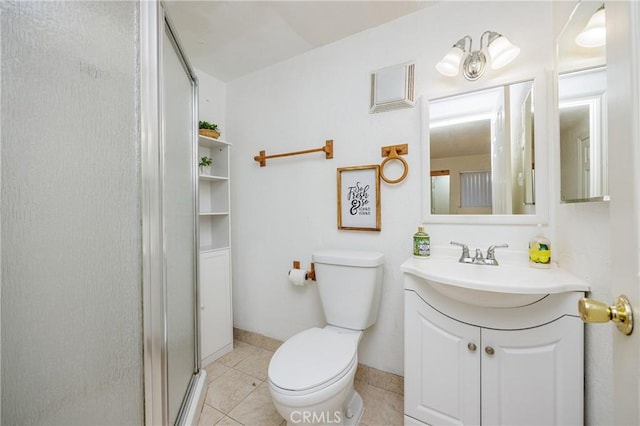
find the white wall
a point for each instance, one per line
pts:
(212, 100)
(286, 211)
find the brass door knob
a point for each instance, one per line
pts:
(593, 311)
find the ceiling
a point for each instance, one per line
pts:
(469, 138)
(229, 39)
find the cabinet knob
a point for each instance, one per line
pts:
(489, 350)
(593, 311)
(472, 347)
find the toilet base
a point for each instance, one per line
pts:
(355, 409)
(350, 415)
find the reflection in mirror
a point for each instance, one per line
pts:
(582, 110)
(481, 151)
(583, 147)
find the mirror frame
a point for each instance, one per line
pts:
(543, 132)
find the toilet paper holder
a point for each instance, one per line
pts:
(310, 275)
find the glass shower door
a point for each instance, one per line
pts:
(72, 330)
(179, 220)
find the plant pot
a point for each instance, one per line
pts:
(209, 133)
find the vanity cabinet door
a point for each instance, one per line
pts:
(533, 376)
(442, 365)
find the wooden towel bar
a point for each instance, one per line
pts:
(327, 149)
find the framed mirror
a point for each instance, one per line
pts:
(480, 157)
(582, 107)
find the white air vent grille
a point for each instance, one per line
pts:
(393, 88)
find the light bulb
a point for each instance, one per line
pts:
(502, 52)
(450, 64)
(594, 33)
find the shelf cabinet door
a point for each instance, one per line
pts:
(533, 376)
(442, 361)
(216, 326)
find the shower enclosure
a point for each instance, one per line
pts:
(177, 185)
(98, 241)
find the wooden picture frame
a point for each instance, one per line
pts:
(359, 198)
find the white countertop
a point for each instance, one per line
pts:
(507, 277)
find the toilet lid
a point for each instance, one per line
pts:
(311, 358)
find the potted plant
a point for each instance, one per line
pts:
(204, 163)
(209, 130)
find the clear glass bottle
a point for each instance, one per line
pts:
(421, 243)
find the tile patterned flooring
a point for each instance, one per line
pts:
(238, 393)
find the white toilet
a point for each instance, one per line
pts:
(311, 375)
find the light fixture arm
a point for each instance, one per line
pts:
(462, 45)
(491, 36)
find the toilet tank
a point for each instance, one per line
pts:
(350, 284)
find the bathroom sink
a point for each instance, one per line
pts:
(505, 286)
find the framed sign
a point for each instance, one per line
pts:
(359, 198)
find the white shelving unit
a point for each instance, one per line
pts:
(216, 319)
(214, 195)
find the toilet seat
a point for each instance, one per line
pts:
(312, 359)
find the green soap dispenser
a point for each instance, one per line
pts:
(421, 243)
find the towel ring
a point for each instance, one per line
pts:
(392, 154)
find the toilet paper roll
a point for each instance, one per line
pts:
(297, 276)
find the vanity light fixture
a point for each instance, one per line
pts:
(500, 51)
(594, 33)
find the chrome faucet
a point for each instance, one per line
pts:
(479, 259)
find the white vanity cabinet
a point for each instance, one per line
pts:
(536, 374)
(472, 365)
(442, 375)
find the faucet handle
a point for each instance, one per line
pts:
(491, 251)
(465, 248)
(464, 258)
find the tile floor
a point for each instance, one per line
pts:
(238, 393)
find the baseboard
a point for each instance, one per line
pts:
(369, 375)
(217, 354)
(256, 339)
